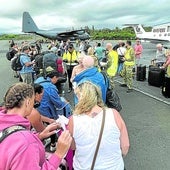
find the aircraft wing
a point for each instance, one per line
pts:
(72, 33)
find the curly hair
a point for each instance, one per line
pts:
(16, 94)
(89, 96)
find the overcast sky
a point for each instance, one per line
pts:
(49, 14)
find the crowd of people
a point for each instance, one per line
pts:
(33, 104)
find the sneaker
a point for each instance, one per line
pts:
(52, 148)
(47, 142)
(123, 85)
(129, 90)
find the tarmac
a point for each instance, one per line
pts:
(146, 113)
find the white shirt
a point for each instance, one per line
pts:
(86, 132)
(121, 50)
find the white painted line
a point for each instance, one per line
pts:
(147, 94)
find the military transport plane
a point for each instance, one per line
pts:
(29, 26)
(159, 33)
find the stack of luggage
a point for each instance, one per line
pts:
(156, 76)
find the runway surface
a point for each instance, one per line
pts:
(145, 111)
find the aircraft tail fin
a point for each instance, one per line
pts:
(28, 24)
(139, 30)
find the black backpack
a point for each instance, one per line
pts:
(49, 59)
(10, 54)
(16, 64)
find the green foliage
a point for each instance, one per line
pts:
(15, 37)
(126, 33)
(96, 34)
(116, 34)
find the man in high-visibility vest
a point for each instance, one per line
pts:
(112, 63)
(70, 58)
(128, 65)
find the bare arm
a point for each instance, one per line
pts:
(124, 139)
(70, 128)
(46, 119)
(73, 73)
(36, 121)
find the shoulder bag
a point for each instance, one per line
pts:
(99, 139)
(121, 57)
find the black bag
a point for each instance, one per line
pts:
(156, 76)
(10, 54)
(49, 59)
(141, 73)
(166, 87)
(121, 59)
(16, 64)
(112, 98)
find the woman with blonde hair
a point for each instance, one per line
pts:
(85, 124)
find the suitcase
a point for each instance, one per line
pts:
(156, 76)
(166, 87)
(141, 73)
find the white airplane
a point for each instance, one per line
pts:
(159, 33)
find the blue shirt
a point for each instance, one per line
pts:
(50, 100)
(24, 58)
(94, 76)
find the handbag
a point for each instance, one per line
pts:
(121, 58)
(99, 139)
(112, 98)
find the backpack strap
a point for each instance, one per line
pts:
(106, 79)
(9, 130)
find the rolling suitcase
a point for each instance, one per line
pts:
(156, 76)
(141, 73)
(166, 87)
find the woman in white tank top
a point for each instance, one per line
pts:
(85, 126)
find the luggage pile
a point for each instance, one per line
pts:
(157, 77)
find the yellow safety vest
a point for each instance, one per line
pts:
(70, 57)
(129, 57)
(112, 63)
